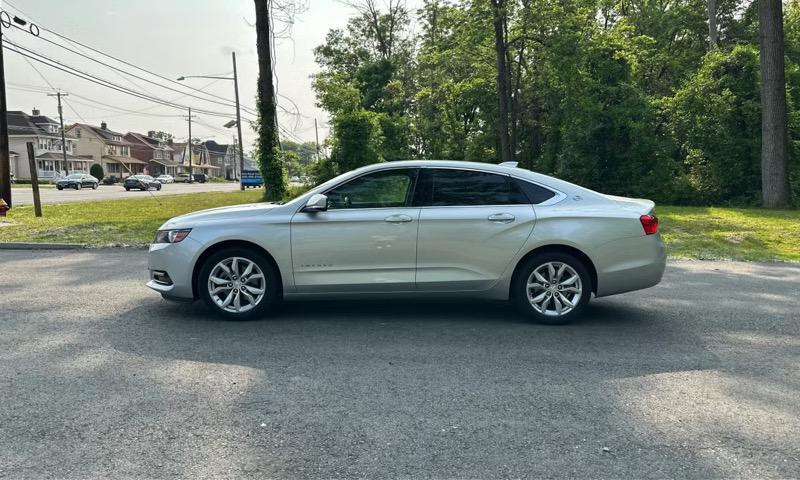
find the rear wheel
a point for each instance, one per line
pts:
(552, 288)
(127, 189)
(238, 283)
(94, 186)
(77, 186)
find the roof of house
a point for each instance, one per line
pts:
(20, 123)
(149, 141)
(57, 156)
(105, 134)
(128, 160)
(214, 147)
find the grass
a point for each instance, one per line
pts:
(111, 222)
(712, 233)
(690, 232)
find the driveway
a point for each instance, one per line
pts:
(99, 377)
(24, 196)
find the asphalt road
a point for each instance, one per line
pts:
(24, 196)
(99, 377)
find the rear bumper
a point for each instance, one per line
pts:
(630, 264)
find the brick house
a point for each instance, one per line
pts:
(156, 152)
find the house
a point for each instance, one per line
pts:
(45, 134)
(216, 157)
(200, 159)
(155, 151)
(107, 148)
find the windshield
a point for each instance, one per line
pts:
(74, 176)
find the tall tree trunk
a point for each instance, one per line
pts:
(712, 24)
(503, 82)
(270, 163)
(774, 142)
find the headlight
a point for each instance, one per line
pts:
(171, 236)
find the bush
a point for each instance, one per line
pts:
(96, 171)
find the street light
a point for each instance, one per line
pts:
(235, 79)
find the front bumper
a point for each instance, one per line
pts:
(176, 261)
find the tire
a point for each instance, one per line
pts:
(547, 310)
(127, 189)
(77, 186)
(59, 187)
(94, 186)
(269, 285)
(158, 188)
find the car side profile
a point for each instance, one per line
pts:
(415, 229)
(141, 182)
(77, 181)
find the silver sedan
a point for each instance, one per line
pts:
(415, 229)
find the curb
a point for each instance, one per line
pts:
(65, 246)
(40, 246)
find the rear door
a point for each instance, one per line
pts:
(472, 224)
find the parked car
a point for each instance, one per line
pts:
(77, 181)
(141, 182)
(252, 178)
(165, 179)
(417, 228)
(200, 177)
(182, 178)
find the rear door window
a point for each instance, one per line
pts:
(452, 187)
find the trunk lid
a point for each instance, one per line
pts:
(642, 206)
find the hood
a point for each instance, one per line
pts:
(641, 206)
(233, 212)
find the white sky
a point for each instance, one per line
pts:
(172, 38)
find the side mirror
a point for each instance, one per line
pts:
(317, 203)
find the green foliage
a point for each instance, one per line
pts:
(96, 170)
(622, 97)
(356, 141)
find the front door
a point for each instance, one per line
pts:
(471, 226)
(365, 242)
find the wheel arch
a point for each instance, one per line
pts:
(557, 248)
(212, 249)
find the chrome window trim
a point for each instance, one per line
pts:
(558, 197)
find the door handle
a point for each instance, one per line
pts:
(397, 219)
(501, 218)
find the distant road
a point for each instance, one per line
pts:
(24, 196)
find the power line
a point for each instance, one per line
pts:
(75, 42)
(97, 80)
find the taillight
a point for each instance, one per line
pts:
(649, 223)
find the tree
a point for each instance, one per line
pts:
(269, 161)
(774, 142)
(96, 170)
(500, 22)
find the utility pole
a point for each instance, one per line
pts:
(61, 121)
(189, 145)
(316, 136)
(238, 119)
(5, 160)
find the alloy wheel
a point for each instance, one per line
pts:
(236, 284)
(554, 289)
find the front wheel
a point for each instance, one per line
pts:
(59, 187)
(158, 187)
(77, 186)
(238, 283)
(94, 186)
(552, 288)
